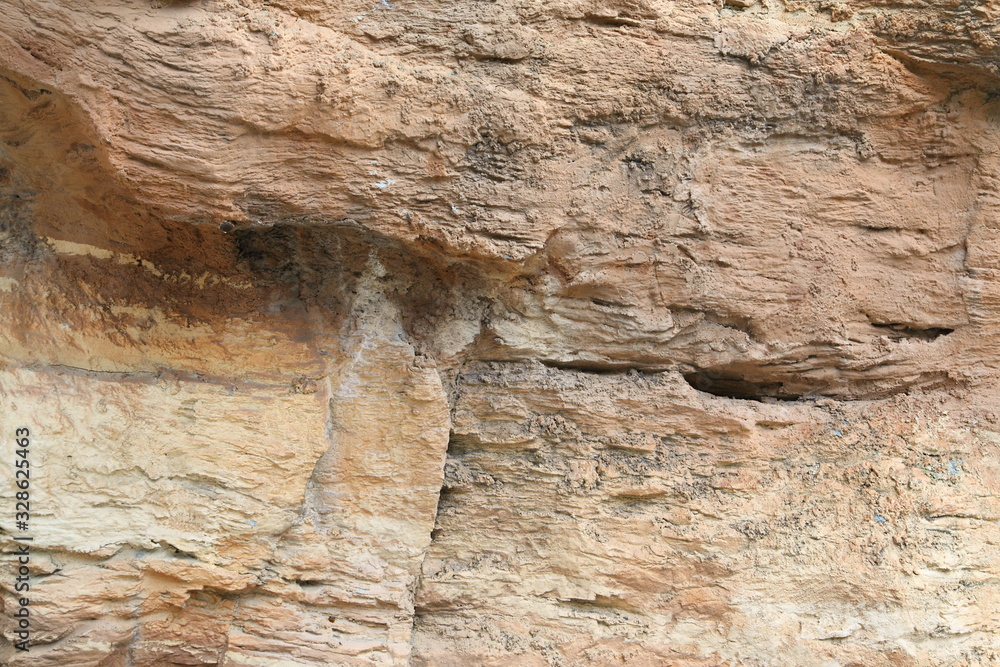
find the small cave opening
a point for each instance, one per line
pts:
(729, 384)
(898, 330)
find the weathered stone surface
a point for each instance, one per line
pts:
(579, 332)
(628, 519)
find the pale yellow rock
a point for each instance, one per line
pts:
(584, 332)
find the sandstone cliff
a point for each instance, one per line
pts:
(582, 332)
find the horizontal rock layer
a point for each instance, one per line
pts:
(582, 332)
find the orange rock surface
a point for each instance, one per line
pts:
(584, 332)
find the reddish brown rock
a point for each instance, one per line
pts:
(513, 333)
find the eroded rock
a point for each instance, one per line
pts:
(584, 332)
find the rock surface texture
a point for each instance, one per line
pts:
(577, 332)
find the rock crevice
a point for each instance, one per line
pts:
(502, 333)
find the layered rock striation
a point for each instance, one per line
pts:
(502, 333)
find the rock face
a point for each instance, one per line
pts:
(584, 332)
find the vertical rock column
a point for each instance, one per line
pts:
(346, 571)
